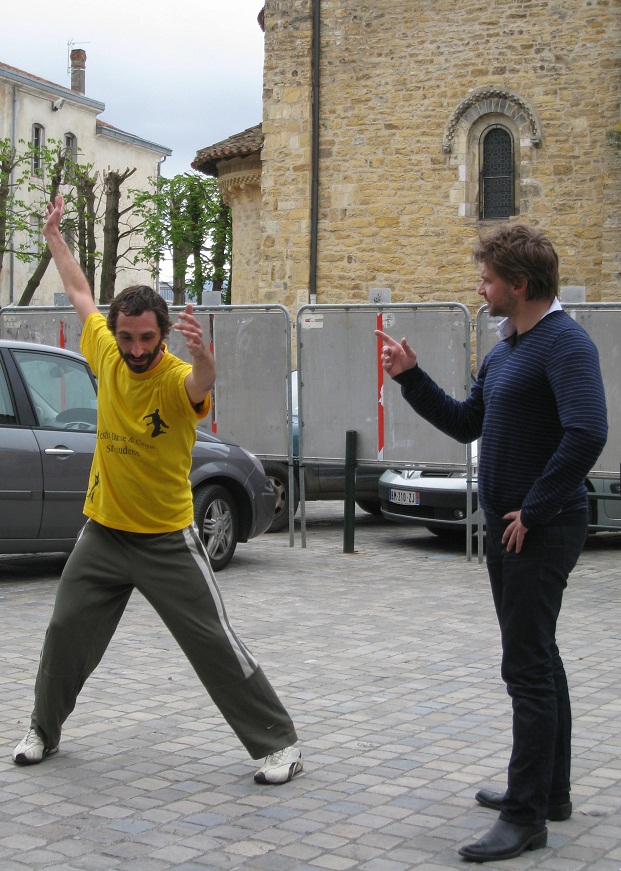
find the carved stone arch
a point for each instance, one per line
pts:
(488, 100)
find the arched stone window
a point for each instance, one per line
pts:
(487, 138)
(497, 174)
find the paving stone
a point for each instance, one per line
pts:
(388, 660)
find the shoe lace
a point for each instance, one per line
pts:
(31, 737)
(278, 756)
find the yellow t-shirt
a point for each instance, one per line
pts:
(146, 428)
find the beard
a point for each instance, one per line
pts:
(502, 308)
(140, 364)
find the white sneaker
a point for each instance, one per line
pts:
(31, 750)
(281, 766)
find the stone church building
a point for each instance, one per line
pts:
(394, 132)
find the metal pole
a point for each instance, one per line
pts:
(350, 490)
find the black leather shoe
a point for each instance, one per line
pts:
(505, 841)
(557, 813)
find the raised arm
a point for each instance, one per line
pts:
(203, 375)
(73, 279)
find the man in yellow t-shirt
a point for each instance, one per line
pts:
(140, 532)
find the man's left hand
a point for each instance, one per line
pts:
(192, 332)
(515, 532)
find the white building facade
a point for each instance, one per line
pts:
(33, 110)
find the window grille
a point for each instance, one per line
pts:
(38, 141)
(71, 146)
(497, 175)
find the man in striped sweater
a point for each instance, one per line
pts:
(538, 407)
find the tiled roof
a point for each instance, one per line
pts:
(30, 76)
(59, 90)
(22, 77)
(102, 127)
(239, 145)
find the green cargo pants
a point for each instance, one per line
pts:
(172, 572)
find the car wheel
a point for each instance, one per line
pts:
(370, 506)
(216, 516)
(278, 473)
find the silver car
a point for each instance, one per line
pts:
(438, 500)
(48, 413)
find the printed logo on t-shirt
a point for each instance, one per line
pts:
(156, 422)
(91, 493)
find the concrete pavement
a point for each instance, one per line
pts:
(388, 660)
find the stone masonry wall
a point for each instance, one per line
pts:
(240, 184)
(286, 155)
(396, 209)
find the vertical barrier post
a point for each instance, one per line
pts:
(350, 490)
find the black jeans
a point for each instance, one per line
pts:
(528, 590)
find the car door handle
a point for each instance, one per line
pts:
(59, 452)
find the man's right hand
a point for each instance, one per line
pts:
(397, 357)
(55, 211)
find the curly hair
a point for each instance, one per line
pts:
(134, 301)
(514, 252)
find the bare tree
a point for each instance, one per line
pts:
(112, 232)
(86, 216)
(89, 202)
(46, 255)
(9, 159)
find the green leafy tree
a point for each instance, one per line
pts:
(186, 219)
(221, 252)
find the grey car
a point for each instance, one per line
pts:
(48, 412)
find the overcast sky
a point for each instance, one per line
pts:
(184, 73)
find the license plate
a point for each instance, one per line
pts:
(404, 497)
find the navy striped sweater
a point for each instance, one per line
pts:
(538, 406)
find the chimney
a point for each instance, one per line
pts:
(78, 70)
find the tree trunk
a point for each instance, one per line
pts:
(112, 234)
(35, 279)
(178, 290)
(195, 215)
(91, 245)
(181, 250)
(6, 166)
(111, 238)
(199, 275)
(219, 252)
(86, 227)
(44, 261)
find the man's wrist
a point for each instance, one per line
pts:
(409, 376)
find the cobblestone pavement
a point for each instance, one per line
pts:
(388, 660)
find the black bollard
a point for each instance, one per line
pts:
(350, 491)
